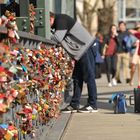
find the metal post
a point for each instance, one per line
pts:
(23, 21)
(24, 8)
(68, 7)
(47, 19)
(43, 18)
(58, 6)
(124, 10)
(75, 10)
(63, 10)
(52, 5)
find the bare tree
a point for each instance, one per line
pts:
(105, 14)
(87, 13)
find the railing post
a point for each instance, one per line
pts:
(68, 7)
(23, 21)
(42, 24)
(58, 6)
(24, 8)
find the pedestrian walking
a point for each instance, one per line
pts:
(110, 55)
(123, 54)
(98, 43)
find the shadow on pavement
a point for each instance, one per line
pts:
(103, 103)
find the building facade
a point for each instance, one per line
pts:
(124, 10)
(129, 11)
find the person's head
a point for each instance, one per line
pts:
(113, 29)
(122, 26)
(52, 17)
(99, 36)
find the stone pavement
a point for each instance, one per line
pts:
(104, 125)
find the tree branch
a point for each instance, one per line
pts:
(94, 7)
(114, 2)
(79, 14)
(104, 3)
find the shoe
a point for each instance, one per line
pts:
(114, 82)
(119, 81)
(127, 81)
(109, 85)
(69, 109)
(88, 109)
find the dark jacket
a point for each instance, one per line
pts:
(122, 45)
(85, 66)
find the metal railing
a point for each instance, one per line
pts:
(30, 41)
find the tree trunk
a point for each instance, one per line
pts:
(105, 20)
(105, 15)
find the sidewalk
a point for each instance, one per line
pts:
(104, 125)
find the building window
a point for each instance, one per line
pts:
(129, 11)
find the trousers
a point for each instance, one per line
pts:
(84, 71)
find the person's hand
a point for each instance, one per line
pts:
(103, 57)
(115, 33)
(137, 43)
(132, 31)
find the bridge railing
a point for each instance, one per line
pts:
(28, 39)
(31, 41)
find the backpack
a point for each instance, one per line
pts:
(129, 41)
(119, 101)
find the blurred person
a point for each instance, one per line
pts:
(98, 43)
(123, 54)
(110, 56)
(136, 56)
(71, 34)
